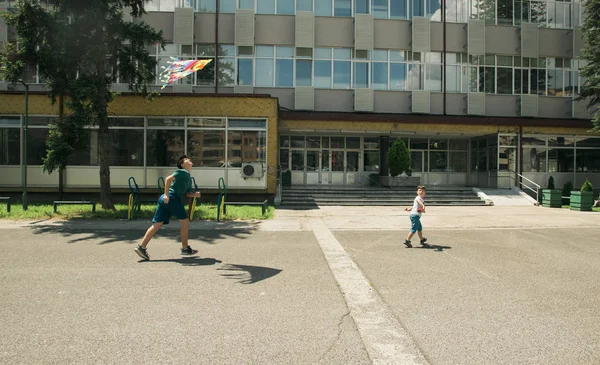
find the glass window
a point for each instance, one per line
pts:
(298, 142)
(361, 6)
(415, 77)
(507, 140)
(419, 143)
(588, 160)
(244, 73)
(398, 76)
(398, 9)
(325, 142)
(303, 73)
(126, 147)
(304, 52)
(313, 142)
(458, 162)
(246, 147)
(588, 142)
(265, 6)
(533, 141)
(560, 160)
(416, 161)
(417, 8)
(337, 142)
(323, 8)
(285, 52)
(264, 72)
(324, 53)
(352, 142)
(284, 76)
(341, 74)
(458, 144)
(361, 75)
(534, 159)
(380, 9)
(304, 5)
(285, 7)
(342, 8)
(438, 161)
(166, 122)
(284, 141)
(342, 53)
(504, 80)
(207, 148)
(453, 78)
(45, 121)
(297, 160)
(87, 153)
(206, 6)
(227, 6)
(284, 159)
(337, 160)
(206, 122)
(36, 145)
(323, 74)
(507, 159)
(226, 71)
(371, 143)
(164, 147)
(125, 122)
(246, 4)
(561, 141)
(434, 78)
(372, 161)
(380, 76)
(248, 123)
(438, 144)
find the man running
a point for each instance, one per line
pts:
(177, 186)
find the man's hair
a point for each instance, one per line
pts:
(180, 161)
(421, 187)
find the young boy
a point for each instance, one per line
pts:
(177, 186)
(415, 217)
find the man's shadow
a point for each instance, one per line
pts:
(437, 248)
(189, 261)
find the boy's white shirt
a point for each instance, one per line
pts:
(416, 206)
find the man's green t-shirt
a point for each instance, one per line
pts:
(181, 185)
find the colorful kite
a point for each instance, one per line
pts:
(179, 69)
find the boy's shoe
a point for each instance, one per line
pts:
(188, 251)
(407, 243)
(423, 241)
(142, 252)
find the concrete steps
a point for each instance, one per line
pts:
(314, 196)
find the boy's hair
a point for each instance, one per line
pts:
(421, 187)
(180, 161)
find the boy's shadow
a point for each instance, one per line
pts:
(189, 261)
(437, 248)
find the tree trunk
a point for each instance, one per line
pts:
(103, 142)
(61, 119)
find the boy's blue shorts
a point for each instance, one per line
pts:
(165, 211)
(415, 223)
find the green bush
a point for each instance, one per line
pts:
(398, 158)
(551, 183)
(567, 188)
(587, 186)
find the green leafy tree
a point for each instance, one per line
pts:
(99, 46)
(398, 158)
(590, 91)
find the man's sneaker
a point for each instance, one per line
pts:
(423, 241)
(188, 251)
(142, 253)
(407, 243)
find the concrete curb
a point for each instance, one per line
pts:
(483, 196)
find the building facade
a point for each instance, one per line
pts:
(481, 91)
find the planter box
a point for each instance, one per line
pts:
(406, 181)
(552, 198)
(582, 201)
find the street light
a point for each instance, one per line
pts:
(24, 171)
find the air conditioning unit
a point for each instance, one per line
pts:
(252, 170)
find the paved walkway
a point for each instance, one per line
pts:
(331, 285)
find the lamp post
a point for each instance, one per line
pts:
(24, 171)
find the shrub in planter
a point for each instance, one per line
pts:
(551, 197)
(398, 158)
(566, 191)
(583, 200)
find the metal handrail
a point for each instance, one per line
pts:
(536, 191)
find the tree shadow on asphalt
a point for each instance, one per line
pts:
(134, 235)
(437, 248)
(247, 274)
(189, 261)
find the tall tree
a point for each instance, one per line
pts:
(101, 46)
(590, 90)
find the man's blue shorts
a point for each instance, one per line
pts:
(415, 223)
(165, 211)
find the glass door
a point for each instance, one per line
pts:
(353, 168)
(313, 168)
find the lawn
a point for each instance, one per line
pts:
(202, 212)
(595, 209)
